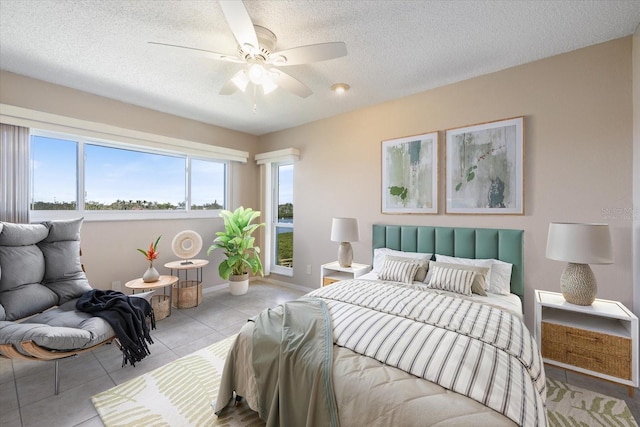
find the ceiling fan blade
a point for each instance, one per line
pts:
(310, 53)
(201, 52)
(229, 88)
(291, 84)
(240, 22)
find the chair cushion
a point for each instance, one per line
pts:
(62, 328)
(39, 267)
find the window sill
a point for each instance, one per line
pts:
(40, 216)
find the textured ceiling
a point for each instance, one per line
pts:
(395, 48)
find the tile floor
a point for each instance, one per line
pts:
(27, 391)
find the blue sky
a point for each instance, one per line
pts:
(113, 174)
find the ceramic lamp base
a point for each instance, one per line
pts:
(345, 254)
(578, 284)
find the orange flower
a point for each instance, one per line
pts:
(152, 252)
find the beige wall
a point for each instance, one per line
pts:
(109, 248)
(579, 144)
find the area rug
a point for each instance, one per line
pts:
(180, 394)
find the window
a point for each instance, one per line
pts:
(54, 165)
(123, 178)
(208, 184)
(282, 227)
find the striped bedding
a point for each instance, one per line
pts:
(473, 349)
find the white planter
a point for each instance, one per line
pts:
(239, 285)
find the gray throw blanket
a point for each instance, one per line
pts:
(292, 360)
(127, 316)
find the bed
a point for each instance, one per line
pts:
(375, 351)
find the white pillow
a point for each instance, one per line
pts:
(452, 279)
(380, 253)
(498, 283)
(499, 277)
(398, 271)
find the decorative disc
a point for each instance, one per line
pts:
(186, 244)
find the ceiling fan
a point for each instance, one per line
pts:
(257, 49)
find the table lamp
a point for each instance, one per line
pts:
(579, 245)
(345, 230)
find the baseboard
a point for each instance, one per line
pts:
(283, 284)
(259, 279)
(215, 288)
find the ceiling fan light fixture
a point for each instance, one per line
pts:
(241, 80)
(269, 86)
(340, 88)
(257, 74)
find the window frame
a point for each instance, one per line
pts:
(124, 215)
(275, 224)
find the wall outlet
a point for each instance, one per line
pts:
(308, 268)
(116, 286)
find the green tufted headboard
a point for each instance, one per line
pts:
(503, 244)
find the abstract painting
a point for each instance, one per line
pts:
(410, 174)
(485, 168)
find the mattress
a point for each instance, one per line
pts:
(371, 392)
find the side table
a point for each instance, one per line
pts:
(600, 339)
(157, 301)
(332, 272)
(188, 293)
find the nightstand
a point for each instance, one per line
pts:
(600, 340)
(332, 272)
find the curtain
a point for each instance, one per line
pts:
(14, 173)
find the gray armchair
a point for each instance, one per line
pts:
(41, 277)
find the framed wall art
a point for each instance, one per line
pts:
(410, 175)
(485, 168)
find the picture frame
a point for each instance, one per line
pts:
(485, 168)
(410, 174)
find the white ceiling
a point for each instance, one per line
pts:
(395, 48)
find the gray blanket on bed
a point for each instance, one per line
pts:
(292, 359)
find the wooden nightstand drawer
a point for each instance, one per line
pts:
(589, 340)
(619, 367)
(600, 339)
(326, 281)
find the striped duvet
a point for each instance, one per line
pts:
(473, 349)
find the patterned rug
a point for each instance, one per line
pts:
(180, 394)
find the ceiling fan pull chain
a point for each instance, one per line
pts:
(255, 106)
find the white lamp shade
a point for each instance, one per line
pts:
(579, 243)
(345, 230)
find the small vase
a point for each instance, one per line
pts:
(151, 275)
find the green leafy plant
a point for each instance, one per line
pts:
(238, 243)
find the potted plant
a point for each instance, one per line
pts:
(242, 256)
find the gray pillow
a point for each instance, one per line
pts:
(64, 230)
(27, 300)
(22, 234)
(61, 249)
(21, 265)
